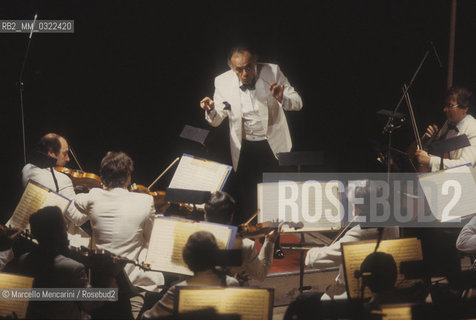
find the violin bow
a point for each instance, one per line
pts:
(252, 217)
(344, 230)
(164, 172)
(412, 117)
(75, 158)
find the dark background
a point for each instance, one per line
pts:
(132, 74)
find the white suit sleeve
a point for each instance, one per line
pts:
(256, 264)
(291, 99)
(78, 212)
(149, 222)
(331, 256)
(217, 114)
(466, 241)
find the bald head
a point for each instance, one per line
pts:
(56, 147)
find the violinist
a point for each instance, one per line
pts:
(331, 255)
(121, 220)
(53, 150)
(457, 103)
(220, 208)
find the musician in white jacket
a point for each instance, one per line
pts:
(121, 221)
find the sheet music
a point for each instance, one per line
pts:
(169, 236)
(34, 197)
(354, 253)
(7, 307)
(317, 203)
(457, 200)
(398, 312)
(199, 174)
(250, 304)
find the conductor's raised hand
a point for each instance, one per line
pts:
(207, 104)
(277, 91)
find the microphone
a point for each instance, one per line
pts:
(436, 54)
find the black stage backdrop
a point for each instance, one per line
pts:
(133, 73)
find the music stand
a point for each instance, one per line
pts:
(195, 140)
(298, 159)
(439, 148)
(186, 196)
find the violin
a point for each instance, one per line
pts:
(160, 204)
(79, 177)
(143, 189)
(263, 228)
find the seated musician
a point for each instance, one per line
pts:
(331, 255)
(199, 254)
(121, 220)
(220, 208)
(457, 103)
(53, 150)
(50, 267)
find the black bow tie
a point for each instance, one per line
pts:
(452, 127)
(250, 86)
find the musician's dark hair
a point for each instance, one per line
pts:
(116, 167)
(220, 207)
(200, 251)
(241, 48)
(48, 225)
(382, 271)
(49, 142)
(464, 97)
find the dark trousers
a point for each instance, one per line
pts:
(256, 157)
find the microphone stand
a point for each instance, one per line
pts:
(20, 84)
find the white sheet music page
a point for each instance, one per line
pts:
(354, 253)
(169, 236)
(34, 197)
(450, 193)
(7, 307)
(199, 174)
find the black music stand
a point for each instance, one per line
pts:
(439, 148)
(186, 196)
(195, 140)
(194, 134)
(298, 159)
